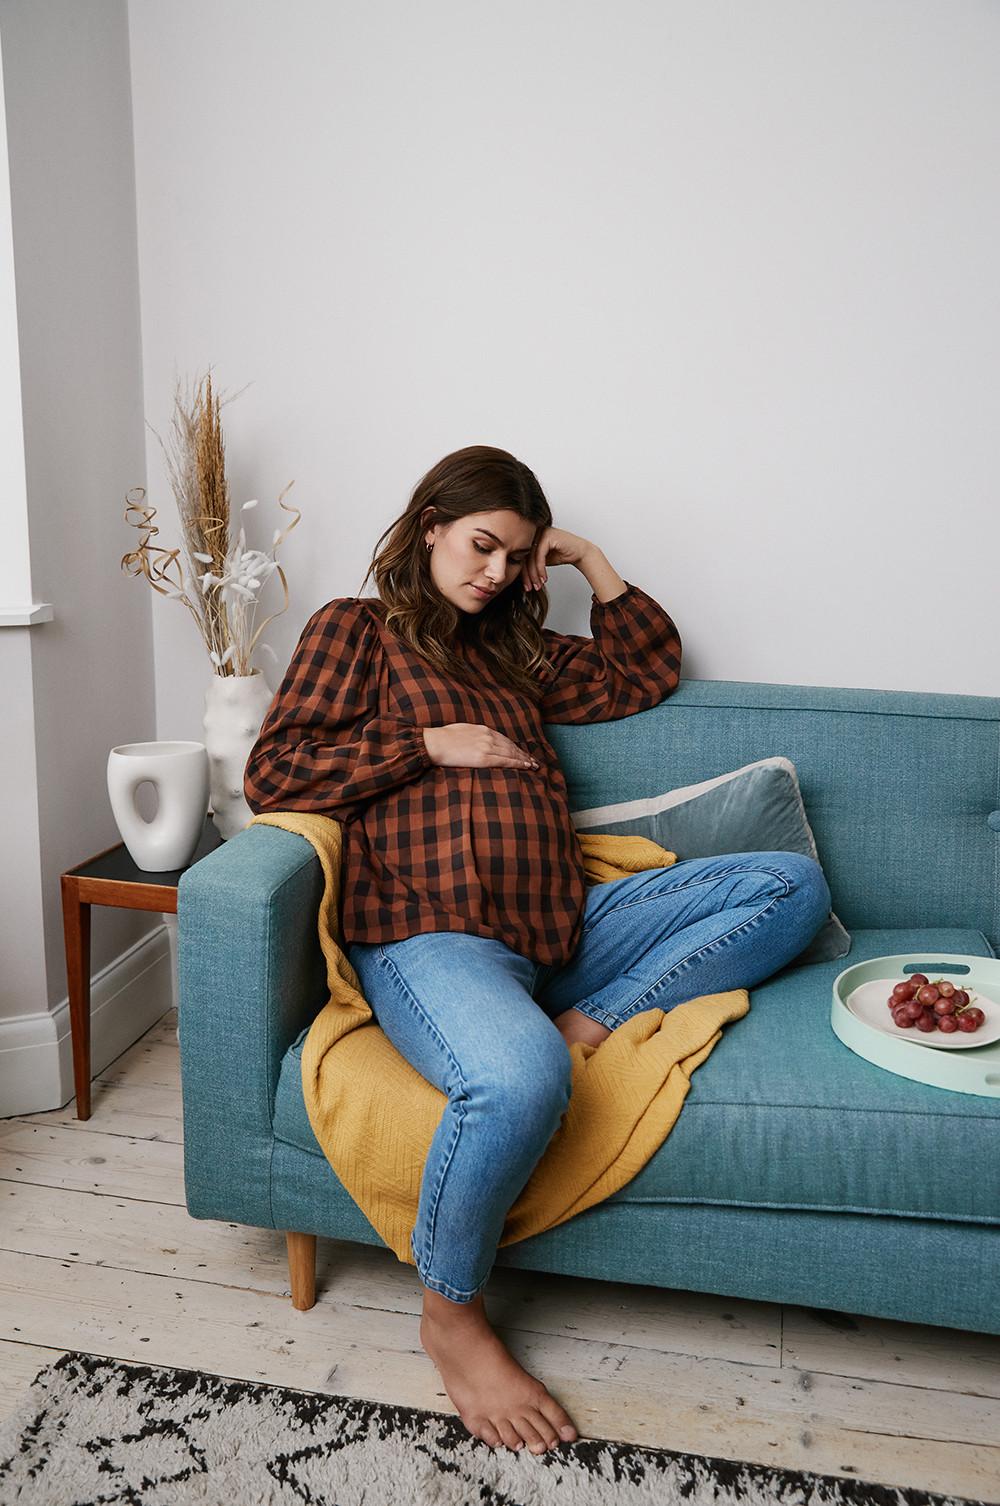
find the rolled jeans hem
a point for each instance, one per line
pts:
(595, 1012)
(451, 1292)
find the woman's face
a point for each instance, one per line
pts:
(484, 549)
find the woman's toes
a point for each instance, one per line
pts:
(534, 1430)
(488, 1433)
(508, 1432)
(560, 1419)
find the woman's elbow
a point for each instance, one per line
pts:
(251, 796)
(258, 790)
(672, 667)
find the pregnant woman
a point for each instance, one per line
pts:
(416, 718)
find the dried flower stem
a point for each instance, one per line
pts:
(196, 466)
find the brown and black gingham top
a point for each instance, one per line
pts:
(486, 850)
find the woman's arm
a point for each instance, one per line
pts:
(633, 660)
(323, 746)
(605, 582)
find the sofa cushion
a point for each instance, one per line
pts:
(757, 808)
(784, 1115)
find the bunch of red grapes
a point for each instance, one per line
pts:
(934, 1006)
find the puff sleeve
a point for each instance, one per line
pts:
(324, 746)
(631, 663)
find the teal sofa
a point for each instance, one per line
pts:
(797, 1172)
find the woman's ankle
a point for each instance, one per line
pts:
(574, 1025)
(439, 1308)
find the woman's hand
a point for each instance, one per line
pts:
(554, 546)
(471, 745)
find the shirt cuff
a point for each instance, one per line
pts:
(411, 742)
(596, 605)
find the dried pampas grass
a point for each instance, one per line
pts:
(225, 592)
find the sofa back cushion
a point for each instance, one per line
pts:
(899, 786)
(758, 808)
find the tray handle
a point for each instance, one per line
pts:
(937, 967)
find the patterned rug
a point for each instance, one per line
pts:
(97, 1432)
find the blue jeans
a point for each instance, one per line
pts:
(475, 1018)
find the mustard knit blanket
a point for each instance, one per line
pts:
(374, 1115)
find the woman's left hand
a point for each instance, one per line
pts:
(554, 546)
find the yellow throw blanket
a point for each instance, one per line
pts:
(375, 1115)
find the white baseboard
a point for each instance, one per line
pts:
(126, 998)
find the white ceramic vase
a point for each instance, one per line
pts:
(179, 773)
(235, 706)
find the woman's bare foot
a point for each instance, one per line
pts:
(497, 1399)
(573, 1025)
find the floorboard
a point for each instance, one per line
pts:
(98, 1253)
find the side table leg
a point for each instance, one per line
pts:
(76, 929)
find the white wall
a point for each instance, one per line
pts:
(22, 948)
(15, 561)
(73, 406)
(723, 275)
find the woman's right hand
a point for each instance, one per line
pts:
(471, 745)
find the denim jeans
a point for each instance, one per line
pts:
(475, 1018)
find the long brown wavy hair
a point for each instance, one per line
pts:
(507, 632)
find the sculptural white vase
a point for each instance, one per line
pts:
(235, 706)
(179, 773)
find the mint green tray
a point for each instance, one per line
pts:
(972, 1069)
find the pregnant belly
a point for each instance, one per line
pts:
(520, 830)
(503, 828)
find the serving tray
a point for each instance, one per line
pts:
(974, 1069)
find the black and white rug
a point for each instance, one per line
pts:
(99, 1432)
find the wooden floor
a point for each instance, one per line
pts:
(98, 1253)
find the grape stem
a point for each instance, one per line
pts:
(972, 997)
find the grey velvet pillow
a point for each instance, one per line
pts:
(757, 808)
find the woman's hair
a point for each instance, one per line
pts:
(479, 478)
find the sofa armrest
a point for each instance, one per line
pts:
(251, 977)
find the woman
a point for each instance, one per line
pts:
(416, 718)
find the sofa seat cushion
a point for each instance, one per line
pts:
(784, 1115)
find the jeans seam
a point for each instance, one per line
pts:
(704, 951)
(648, 899)
(435, 1034)
(612, 1021)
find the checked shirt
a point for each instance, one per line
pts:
(488, 851)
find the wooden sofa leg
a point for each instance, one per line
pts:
(302, 1269)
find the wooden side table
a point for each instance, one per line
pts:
(110, 878)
